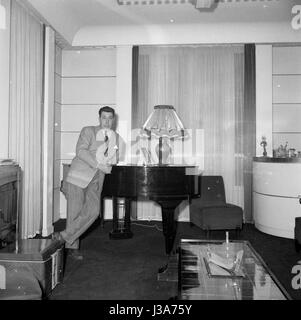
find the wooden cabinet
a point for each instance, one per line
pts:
(276, 195)
(32, 266)
(9, 187)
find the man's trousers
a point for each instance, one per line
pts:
(83, 208)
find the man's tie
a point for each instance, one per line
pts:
(106, 140)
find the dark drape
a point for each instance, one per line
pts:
(249, 127)
(135, 56)
(135, 113)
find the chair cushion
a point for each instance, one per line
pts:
(220, 217)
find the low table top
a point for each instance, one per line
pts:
(254, 281)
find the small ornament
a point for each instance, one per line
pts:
(264, 143)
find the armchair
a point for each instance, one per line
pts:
(211, 211)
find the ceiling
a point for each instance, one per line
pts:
(68, 17)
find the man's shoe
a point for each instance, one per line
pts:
(75, 254)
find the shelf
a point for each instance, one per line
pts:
(286, 132)
(277, 160)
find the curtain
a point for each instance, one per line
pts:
(249, 126)
(205, 84)
(2, 16)
(25, 130)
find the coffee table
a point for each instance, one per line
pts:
(254, 281)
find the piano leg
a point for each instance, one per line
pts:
(169, 228)
(169, 231)
(123, 231)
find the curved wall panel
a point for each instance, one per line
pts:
(283, 179)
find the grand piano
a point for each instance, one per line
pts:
(166, 185)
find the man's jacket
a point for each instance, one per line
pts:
(84, 165)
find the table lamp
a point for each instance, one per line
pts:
(163, 123)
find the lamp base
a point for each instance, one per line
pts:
(163, 151)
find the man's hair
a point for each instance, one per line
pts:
(106, 109)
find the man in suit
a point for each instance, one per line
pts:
(96, 152)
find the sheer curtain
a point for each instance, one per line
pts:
(205, 84)
(25, 131)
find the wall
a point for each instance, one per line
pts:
(88, 82)
(124, 94)
(264, 98)
(4, 80)
(278, 97)
(287, 97)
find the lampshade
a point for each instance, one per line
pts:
(163, 122)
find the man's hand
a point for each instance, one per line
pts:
(104, 168)
(111, 159)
